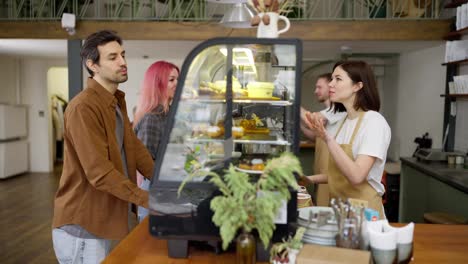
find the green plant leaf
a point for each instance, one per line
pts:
(250, 205)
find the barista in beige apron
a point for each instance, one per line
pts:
(321, 167)
(339, 185)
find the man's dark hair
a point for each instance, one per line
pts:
(367, 98)
(327, 76)
(90, 51)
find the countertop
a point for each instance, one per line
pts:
(432, 244)
(307, 144)
(453, 175)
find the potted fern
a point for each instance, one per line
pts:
(246, 205)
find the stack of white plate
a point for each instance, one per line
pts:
(323, 235)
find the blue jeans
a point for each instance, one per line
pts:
(74, 250)
(143, 212)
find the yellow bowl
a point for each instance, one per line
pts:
(260, 89)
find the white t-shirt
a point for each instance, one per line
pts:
(332, 119)
(372, 139)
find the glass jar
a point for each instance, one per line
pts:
(263, 64)
(245, 249)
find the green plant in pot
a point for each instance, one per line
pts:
(286, 251)
(246, 204)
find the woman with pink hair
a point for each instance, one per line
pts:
(156, 95)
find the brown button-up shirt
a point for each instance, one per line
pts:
(93, 191)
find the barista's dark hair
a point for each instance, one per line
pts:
(367, 98)
(90, 51)
(327, 76)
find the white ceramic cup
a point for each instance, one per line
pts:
(404, 241)
(383, 245)
(302, 189)
(303, 200)
(271, 30)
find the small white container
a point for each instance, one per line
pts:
(459, 160)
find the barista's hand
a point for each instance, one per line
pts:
(316, 122)
(303, 114)
(311, 118)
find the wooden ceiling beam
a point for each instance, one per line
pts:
(305, 30)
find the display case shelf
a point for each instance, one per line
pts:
(275, 138)
(239, 101)
(278, 142)
(270, 102)
(283, 66)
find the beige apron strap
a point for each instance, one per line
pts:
(321, 167)
(341, 125)
(356, 129)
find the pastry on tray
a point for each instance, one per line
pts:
(214, 131)
(244, 166)
(254, 164)
(199, 129)
(257, 164)
(237, 132)
(254, 125)
(217, 89)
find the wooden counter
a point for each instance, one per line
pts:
(432, 244)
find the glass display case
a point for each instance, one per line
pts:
(237, 101)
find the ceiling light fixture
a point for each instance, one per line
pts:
(238, 16)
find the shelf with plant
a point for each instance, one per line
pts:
(245, 205)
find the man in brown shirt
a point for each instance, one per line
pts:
(102, 155)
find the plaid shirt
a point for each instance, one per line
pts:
(150, 129)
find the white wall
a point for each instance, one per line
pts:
(33, 77)
(9, 68)
(390, 105)
(419, 108)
